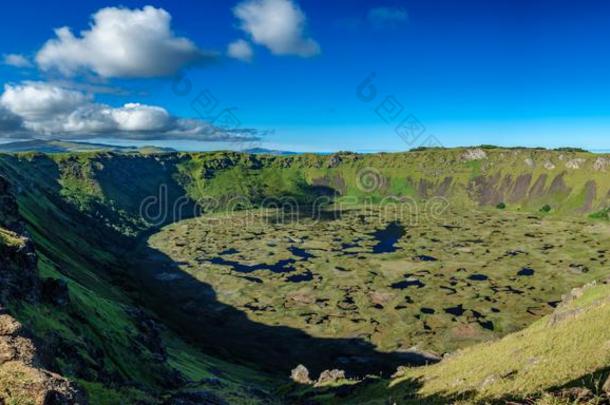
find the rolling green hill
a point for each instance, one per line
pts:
(59, 146)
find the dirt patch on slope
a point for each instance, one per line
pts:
(590, 194)
(558, 185)
(537, 190)
(519, 191)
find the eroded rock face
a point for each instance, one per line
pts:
(37, 386)
(575, 163)
(474, 154)
(549, 165)
(22, 371)
(601, 164)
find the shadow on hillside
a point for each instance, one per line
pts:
(191, 307)
(375, 390)
(180, 300)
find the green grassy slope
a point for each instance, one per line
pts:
(101, 338)
(568, 348)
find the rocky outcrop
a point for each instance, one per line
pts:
(564, 311)
(300, 375)
(575, 163)
(601, 164)
(23, 375)
(474, 154)
(549, 165)
(330, 377)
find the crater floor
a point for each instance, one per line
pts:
(386, 276)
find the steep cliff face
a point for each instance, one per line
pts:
(23, 373)
(73, 312)
(111, 188)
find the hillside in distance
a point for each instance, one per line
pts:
(128, 291)
(61, 146)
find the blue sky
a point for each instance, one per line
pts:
(470, 72)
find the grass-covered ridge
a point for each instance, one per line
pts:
(112, 186)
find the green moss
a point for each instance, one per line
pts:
(603, 214)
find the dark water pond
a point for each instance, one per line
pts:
(455, 311)
(401, 285)
(478, 277)
(253, 279)
(489, 325)
(526, 271)
(299, 278)
(302, 253)
(282, 266)
(387, 238)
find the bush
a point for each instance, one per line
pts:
(545, 208)
(602, 214)
(570, 149)
(425, 148)
(501, 206)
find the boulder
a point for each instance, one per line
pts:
(300, 375)
(330, 376)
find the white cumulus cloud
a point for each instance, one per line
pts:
(121, 42)
(277, 24)
(241, 50)
(17, 60)
(44, 110)
(37, 101)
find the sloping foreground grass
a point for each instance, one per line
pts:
(568, 348)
